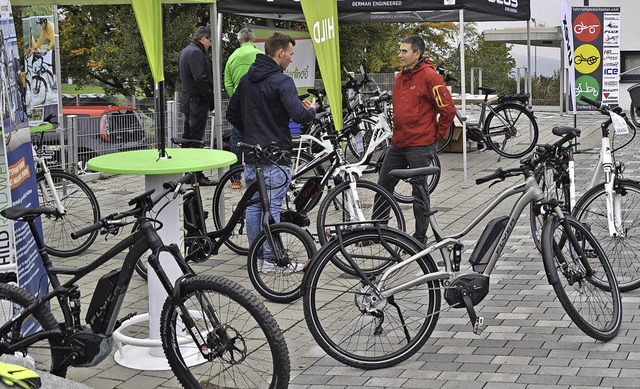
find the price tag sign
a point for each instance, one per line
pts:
(619, 124)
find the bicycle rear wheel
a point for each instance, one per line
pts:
(403, 191)
(441, 145)
(279, 277)
(586, 287)
(226, 199)
(248, 349)
(511, 130)
(623, 251)
(339, 206)
(49, 353)
(81, 210)
(350, 320)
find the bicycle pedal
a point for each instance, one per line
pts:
(120, 321)
(479, 326)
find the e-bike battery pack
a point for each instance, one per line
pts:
(487, 243)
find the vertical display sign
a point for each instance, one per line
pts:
(567, 52)
(596, 34)
(17, 173)
(40, 67)
(303, 68)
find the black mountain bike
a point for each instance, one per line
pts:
(232, 333)
(290, 245)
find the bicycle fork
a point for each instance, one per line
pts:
(612, 198)
(221, 341)
(49, 191)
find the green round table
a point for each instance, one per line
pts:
(146, 161)
(147, 354)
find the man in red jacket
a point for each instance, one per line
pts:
(419, 95)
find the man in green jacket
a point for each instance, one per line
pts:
(237, 66)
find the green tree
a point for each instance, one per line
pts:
(103, 44)
(379, 39)
(494, 58)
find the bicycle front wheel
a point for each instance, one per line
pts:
(81, 209)
(340, 205)
(511, 130)
(624, 250)
(404, 191)
(247, 348)
(553, 187)
(347, 315)
(226, 198)
(276, 272)
(13, 302)
(586, 286)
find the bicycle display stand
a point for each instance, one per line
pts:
(147, 354)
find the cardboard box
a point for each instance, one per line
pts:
(456, 143)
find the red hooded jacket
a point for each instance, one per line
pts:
(419, 94)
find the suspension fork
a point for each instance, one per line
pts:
(353, 204)
(573, 241)
(571, 167)
(611, 197)
(51, 192)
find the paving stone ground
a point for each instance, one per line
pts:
(529, 341)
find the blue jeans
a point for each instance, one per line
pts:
(408, 157)
(277, 179)
(236, 137)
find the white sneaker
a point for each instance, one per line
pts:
(270, 267)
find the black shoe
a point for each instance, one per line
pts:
(205, 181)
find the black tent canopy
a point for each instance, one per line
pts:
(388, 10)
(392, 11)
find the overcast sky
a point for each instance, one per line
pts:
(547, 13)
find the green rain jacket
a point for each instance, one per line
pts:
(238, 65)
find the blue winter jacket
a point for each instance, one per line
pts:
(262, 105)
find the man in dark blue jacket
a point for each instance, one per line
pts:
(196, 99)
(260, 109)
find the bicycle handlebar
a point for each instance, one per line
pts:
(598, 104)
(499, 174)
(143, 203)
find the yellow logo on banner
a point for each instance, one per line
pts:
(586, 59)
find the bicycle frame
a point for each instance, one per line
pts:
(529, 191)
(218, 237)
(138, 244)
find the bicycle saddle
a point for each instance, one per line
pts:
(23, 213)
(322, 115)
(562, 131)
(415, 172)
(487, 91)
(188, 143)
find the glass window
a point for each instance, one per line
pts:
(630, 66)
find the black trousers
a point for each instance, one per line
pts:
(195, 121)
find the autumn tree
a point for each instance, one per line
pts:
(103, 44)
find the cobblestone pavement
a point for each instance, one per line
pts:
(529, 341)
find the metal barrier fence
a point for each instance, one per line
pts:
(88, 137)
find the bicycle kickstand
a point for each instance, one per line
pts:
(476, 321)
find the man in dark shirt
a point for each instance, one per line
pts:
(196, 99)
(261, 107)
